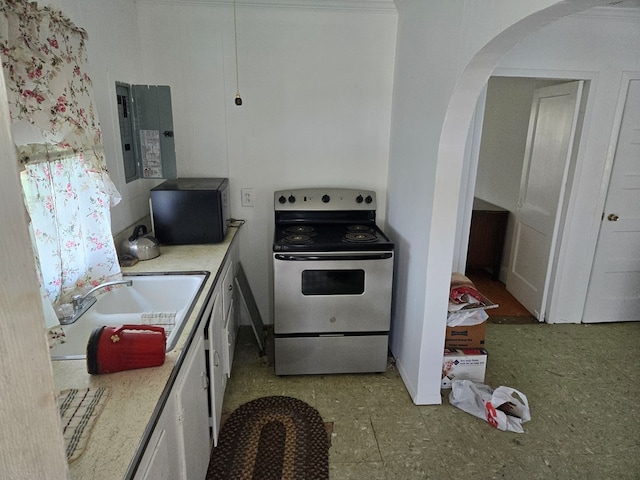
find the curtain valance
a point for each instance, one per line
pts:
(45, 66)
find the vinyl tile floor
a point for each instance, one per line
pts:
(582, 382)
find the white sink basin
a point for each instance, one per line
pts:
(166, 295)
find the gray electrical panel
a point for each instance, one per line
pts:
(146, 131)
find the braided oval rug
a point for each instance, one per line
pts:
(272, 438)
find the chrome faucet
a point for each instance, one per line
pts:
(81, 303)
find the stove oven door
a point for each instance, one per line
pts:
(332, 292)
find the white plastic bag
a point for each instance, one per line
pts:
(466, 317)
(505, 408)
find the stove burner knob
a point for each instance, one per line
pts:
(359, 199)
(326, 198)
(368, 199)
(292, 199)
(282, 199)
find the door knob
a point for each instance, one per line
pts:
(612, 217)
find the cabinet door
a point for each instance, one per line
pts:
(159, 459)
(159, 464)
(227, 288)
(153, 121)
(217, 344)
(230, 333)
(125, 117)
(192, 413)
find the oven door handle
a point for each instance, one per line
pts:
(315, 258)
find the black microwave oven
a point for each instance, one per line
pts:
(188, 211)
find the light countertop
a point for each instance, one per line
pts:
(134, 394)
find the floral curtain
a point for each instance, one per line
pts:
(71, 226)
(67, 189)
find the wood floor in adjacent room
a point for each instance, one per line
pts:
(509, 310)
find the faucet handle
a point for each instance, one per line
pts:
(76, 301)
(65, 313)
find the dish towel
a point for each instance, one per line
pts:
(79, 409)
(167, 320)
(158, 318)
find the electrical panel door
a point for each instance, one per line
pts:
(146, 131)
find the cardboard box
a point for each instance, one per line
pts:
(463, 364)
(465, 336)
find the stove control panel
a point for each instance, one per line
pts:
(324, 199)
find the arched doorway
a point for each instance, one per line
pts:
(444, 202)
(456, 145)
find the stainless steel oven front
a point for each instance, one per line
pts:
(332, 311)
(330, 292)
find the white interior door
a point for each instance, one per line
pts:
(614, 287)
(552, 126)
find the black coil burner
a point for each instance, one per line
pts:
(299, 234)
(360, 229)
(359, 237)
(298, 239)
(306, 230)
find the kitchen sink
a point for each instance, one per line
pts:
(153, 298)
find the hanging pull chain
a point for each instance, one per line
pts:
(235, 34)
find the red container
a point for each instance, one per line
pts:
(113, 349)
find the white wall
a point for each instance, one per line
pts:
(504, 134)
(316, 85)
(446, 53)
(113, 49)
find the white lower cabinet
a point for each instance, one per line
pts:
(158, 460)
(230, 323)
(157, 468)
(216, 345)
(192, 413)
(180, 444)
